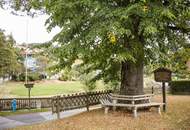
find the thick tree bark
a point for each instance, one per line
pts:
(131, 78)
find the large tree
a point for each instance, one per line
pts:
(116, 37)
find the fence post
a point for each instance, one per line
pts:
(53, 107)
(58, 107)
(87, 101)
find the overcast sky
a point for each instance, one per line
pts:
(17, 26)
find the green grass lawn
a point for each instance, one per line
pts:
(45, 88)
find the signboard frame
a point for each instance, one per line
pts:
(163, 75)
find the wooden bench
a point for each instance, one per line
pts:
(112, 101)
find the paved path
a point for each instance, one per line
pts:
(33, 118)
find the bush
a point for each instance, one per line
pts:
(69, 75)
(34, 76)
(180, 87)
(15, 77)
(63, 78)
(21, 77)
(42, 76)
(88, 82)
(31, 77)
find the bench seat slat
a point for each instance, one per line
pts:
(107, 103)
(149, 104)
(118, 105)
(128, 96)
(130, 99)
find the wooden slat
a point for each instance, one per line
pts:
(22, 103)
(130, 99)
(80, 100)
(149, 104)
(131, 105)
(129, 96)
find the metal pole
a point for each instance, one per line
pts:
(164, 96)
(26, 71)
(26, 61)
(26, 54)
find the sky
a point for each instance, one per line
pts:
(26, 29)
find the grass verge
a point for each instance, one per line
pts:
(43, 88)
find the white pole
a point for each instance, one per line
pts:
(26, 53)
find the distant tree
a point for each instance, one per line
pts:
(43, 57)
(8, 55)
(42, 63)
(179, 63)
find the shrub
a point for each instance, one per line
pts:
(88, 82)
(63, 78)
(34, 76)
(180, 87)
(21, 77)
(15, 77)
(69, 75)
(42, 76)
(31, 77)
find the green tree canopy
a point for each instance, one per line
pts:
(116, 37)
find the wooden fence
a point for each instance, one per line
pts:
(23, 103)
(78, 100)
(64, 102)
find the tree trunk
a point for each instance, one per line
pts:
(132, 73)
(131, 78)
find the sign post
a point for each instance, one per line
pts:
(163, 75)
(29, 86)
(164, 96)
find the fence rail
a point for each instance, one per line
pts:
(64, 102)
(78, 100)
(23, 103)
(153, 90)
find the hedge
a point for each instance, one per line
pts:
(31, 77)
(180, 87)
